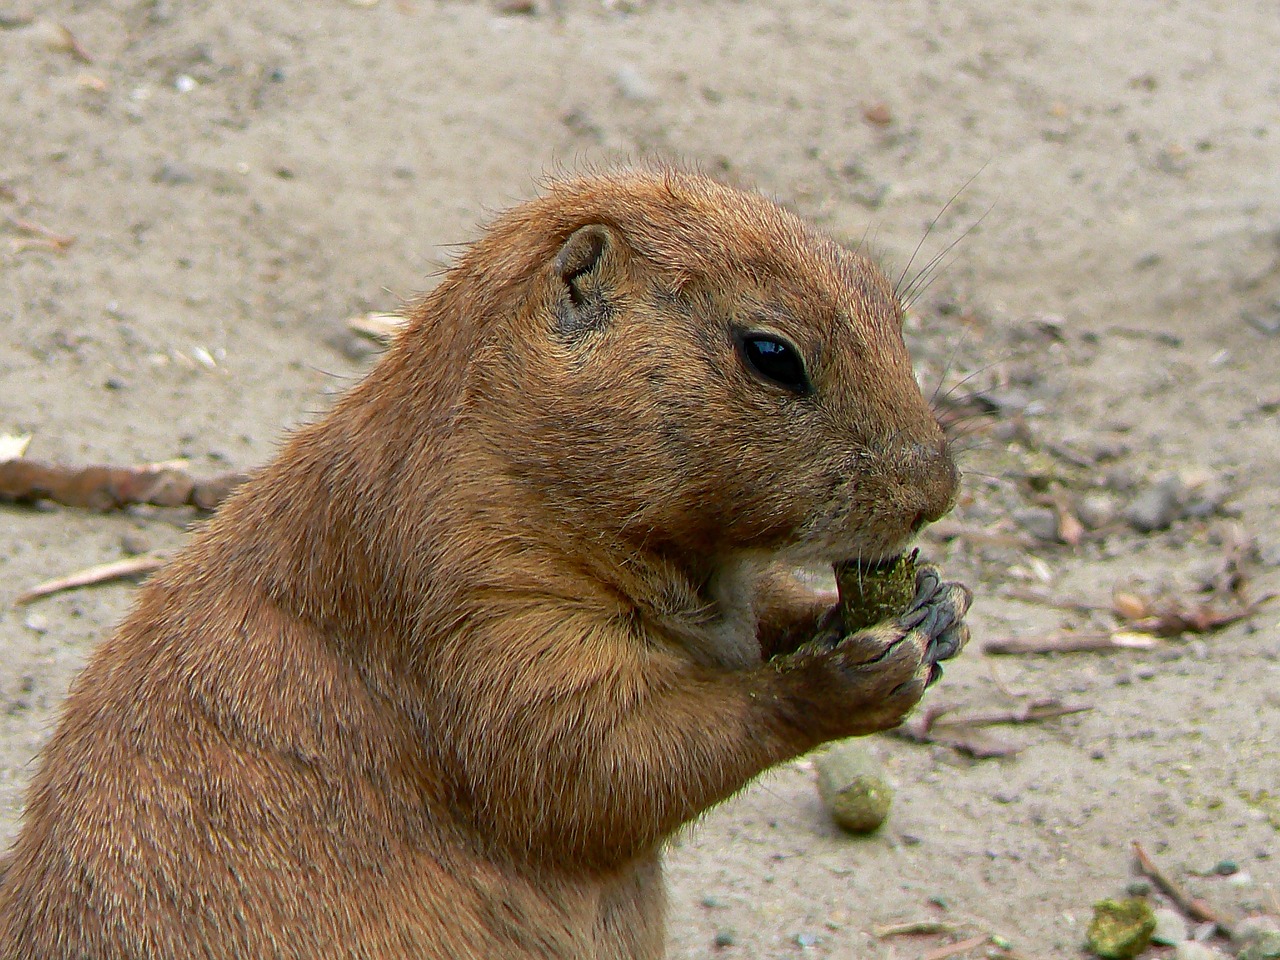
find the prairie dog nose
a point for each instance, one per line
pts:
(929, 472)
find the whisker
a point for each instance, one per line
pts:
(914, 289)
(897, 287)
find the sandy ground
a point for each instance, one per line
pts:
(241, 178)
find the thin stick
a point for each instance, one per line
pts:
(1073, 643)
(1031, 595)
(1031, 713)
(913, 928)
(102, 573)
(1193, 907)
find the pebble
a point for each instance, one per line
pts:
(1190, 950)
(1265, 946)
(1250, 928)
(724, 938)
(1007, 403)
(1119, 478)
(1225, 868)
(805, 940)
(1206, 497)
(1170, 928)
(1269, 553)
(173, 174)
(632, 84)
(133, 544)
(1138, 888)
(1040, 522)
(1096, 510)
(1156, 507)
(1266, 320)
(36, 622)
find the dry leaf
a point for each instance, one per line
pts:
(13, 445)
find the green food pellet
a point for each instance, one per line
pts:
(870, 593)
(1121, 928)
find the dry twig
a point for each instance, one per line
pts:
(38, 237)
(110, 488)
(1070, 643)
(102, 573)
(1194, 907)
(959, 732)
(1170, 617)
(913, 928)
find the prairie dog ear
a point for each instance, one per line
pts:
(583, 267)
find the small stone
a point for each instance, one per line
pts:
(1007, 403)
(1225, 868)
(1249, 929)
(1205, 494)
(1265, 320)
(353, 346)
(1119, 478)
(1170, 928)
(1096, 510)
(1040, 522)
(1120, 929)
(1138, 888)
(632, 84)
(1265, 946)
(36, 622)
(853, 787)
(173, 174)
(724, 938)
(1191, 950)
(133, 544)
(805, 940)
(1155, 508)
(712, 902)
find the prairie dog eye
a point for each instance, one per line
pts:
(773, 359)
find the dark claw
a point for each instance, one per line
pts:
(912, 619)
(948, 644)
(927, 582)
(940, 618)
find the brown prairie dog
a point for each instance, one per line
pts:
(440, 680)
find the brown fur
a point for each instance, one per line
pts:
(440, 679)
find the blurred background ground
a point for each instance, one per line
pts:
(239, 179)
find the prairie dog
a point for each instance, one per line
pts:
(440, 680)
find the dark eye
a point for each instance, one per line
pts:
(775, 360)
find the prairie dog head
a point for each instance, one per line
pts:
(692, 368)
